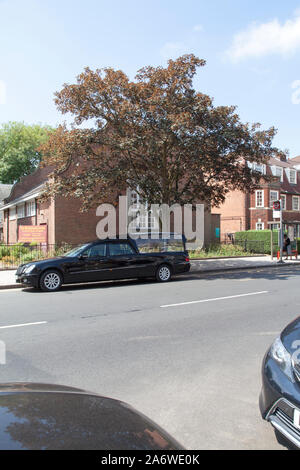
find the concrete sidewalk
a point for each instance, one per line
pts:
(230, 264)
(8, 280)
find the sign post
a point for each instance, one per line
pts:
(277, 213)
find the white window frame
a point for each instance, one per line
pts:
(262, 225)
(21, 211)
(277, 169)
(140, 221)
(12, 213)
(262, 197)
(259, 167)
(295, 198)
(30, 208)
(283, 198)
(289, 172)
(273, 200)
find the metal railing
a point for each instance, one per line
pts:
(12, 255)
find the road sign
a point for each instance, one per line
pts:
(276, 210)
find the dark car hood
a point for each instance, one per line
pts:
(290, 334)
(41, 416)
(41, 262)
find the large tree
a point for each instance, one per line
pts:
(157, 134)
(19, 153)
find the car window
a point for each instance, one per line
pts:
(116, 249)
(96, 250)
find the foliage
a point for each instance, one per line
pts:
(13, 255)
(18, 149)
(155, 134)
(258, 240)
(219, 250)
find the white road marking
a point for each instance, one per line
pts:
(23, 324)
(216, 298)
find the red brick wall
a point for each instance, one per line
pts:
(234, 213)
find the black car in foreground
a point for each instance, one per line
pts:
(280, 395)
(55, 417)
(121, 258)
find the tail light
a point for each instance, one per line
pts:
(187, 259)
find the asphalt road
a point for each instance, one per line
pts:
(193, 367)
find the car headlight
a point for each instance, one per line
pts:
(28, 269)
(282, 357)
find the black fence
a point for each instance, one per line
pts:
(12, 255)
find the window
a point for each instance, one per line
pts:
(259, 198)
(292, 175)
(277, 171)
(273, 197)
(12, 213)
(275, 226)
(149, 245)
(295, 203)
(21, 211)
(117, 249)
(283, 201)
(142, 218)
(96, 251)
(260, 167)
(30, 209)
(260, 226)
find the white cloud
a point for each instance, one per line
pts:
(267, 38)
(2, 92)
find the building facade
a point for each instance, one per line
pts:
(29, 219)
(5, 190)
(246, 211)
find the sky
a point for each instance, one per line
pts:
(252, 50)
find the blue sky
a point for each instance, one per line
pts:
(252, 49)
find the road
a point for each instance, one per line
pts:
(188, 353)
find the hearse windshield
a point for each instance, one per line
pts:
(77, 250)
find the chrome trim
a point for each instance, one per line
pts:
(284, 430)
(275, 404)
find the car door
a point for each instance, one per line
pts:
(123, 258)
(98, 266)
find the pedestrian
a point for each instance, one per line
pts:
(287, 246)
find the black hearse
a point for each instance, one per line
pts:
(159, 256)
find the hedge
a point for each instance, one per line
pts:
(257, 241)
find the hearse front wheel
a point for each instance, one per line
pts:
(163, 273)
(51, 281)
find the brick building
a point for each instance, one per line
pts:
(4, 192)
(54, 221)
(245, 211)
(26, 218)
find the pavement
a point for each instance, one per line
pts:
(187, 353)
(7, 277)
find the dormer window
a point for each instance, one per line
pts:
(277, 171)
(259, 167)
(292, 175)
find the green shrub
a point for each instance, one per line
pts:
(257, 241)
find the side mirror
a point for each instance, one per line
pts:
(83, 256)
